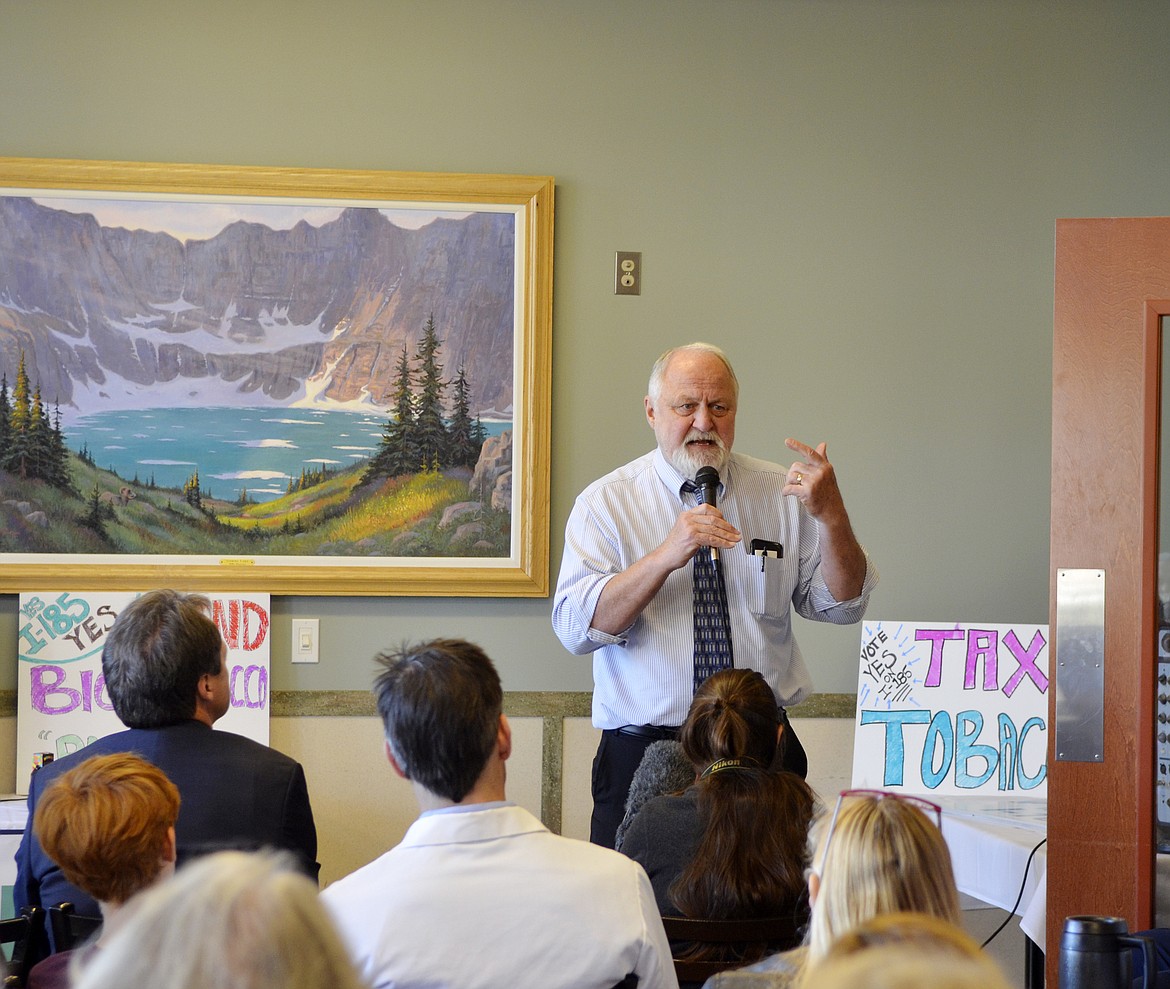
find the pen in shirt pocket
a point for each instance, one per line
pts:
(763, 548)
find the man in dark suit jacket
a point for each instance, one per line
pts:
(166, 676)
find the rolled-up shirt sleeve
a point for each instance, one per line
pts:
(590, 561)
(816, 601)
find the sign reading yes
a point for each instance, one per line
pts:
(62, 703)
(952, 708)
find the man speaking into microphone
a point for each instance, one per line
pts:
(691, 558)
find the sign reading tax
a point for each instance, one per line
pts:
(952, 708)
(62, 704)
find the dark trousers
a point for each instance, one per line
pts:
(618, 757)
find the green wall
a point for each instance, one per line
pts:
(855, 198)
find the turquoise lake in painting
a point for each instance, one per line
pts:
(232, 448)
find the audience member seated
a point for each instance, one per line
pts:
(733, 844)
(904, 951)
(165, 671)
(230, 920)
(876, 853)
(479, 894)
(664, 769)
(109, 823)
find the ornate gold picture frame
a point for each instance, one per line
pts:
(298, 381)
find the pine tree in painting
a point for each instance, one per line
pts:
(430, 431)
(397, 454)
(463, 450)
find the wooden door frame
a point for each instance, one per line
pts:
(1112, 289)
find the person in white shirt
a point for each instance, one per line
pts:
(479, 893)
(625, 592)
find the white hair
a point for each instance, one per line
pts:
(231, 920)
(658, 371)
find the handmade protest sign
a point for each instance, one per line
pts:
(952, 708)
(61, 698)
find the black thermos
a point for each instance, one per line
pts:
(1095, 954)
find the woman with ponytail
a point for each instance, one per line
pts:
(733, 843)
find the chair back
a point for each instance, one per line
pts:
(70, 928)
(780, 933)
(17, 935)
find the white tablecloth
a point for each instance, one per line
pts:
(990, 840)
(13, 814)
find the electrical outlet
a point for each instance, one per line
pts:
(628, 273)
(306, 633)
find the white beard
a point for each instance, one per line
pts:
(688, 459)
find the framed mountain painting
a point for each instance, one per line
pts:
(297, 381)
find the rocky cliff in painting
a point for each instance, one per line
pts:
(110, 318)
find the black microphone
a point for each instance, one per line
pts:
(707, 481)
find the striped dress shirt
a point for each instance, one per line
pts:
(644, 674)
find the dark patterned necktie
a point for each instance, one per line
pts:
(712, 618)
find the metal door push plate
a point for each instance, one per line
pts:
(1080, 665)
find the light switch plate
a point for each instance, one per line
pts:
(306, 635)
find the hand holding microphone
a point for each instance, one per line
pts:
(707, 481)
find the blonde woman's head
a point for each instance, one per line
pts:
(904, 951)
(881, 854)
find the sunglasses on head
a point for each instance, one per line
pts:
(931, 810)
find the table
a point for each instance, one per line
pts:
(991, 840)
(13, 814)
